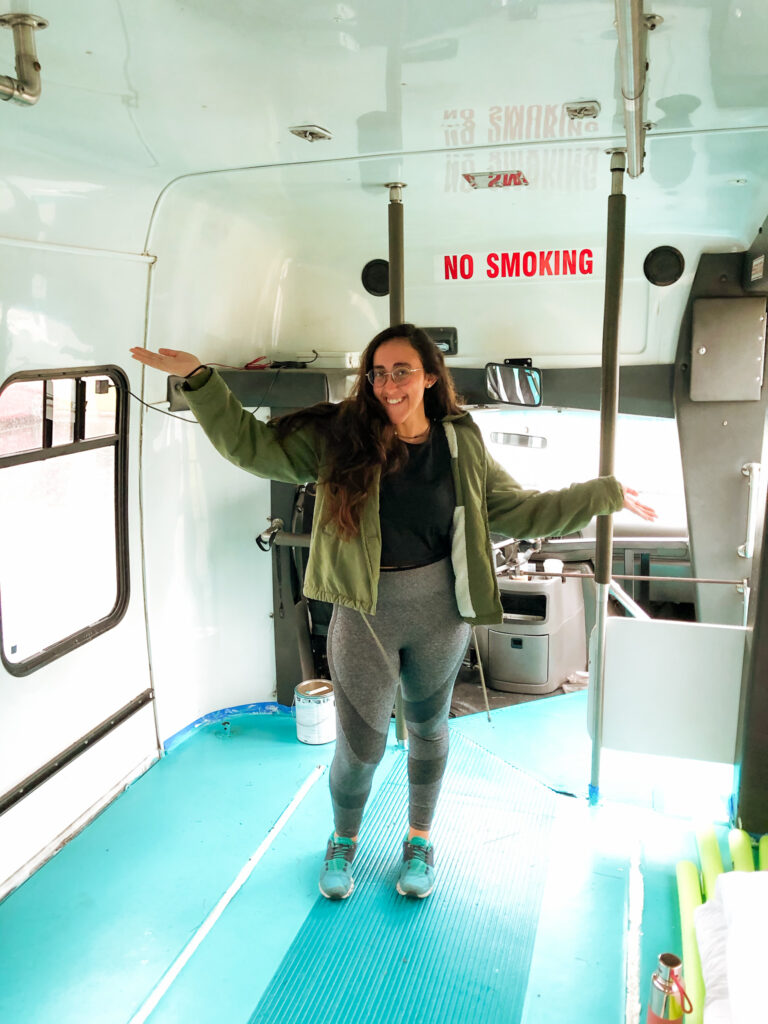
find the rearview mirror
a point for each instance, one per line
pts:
(512, 383)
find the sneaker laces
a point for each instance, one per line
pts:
(418, 856)
(418, 853)
(340, 849)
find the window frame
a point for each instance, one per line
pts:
(117, 440)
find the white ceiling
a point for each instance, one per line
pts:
(192, 85)
(139, 93)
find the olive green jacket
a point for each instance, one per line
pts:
(346, 572)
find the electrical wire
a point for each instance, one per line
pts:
(154, 408)
(184, 419)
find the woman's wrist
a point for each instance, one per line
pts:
(197, 379)
(197, 369)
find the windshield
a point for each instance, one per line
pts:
(549, 448)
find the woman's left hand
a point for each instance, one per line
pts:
(632, 503)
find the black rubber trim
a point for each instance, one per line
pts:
(55, 451)
(646, 389)
(277, 389)
(26, 786)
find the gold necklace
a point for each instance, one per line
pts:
(412, 437)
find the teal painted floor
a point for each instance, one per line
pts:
(470, 944)
(93, 932)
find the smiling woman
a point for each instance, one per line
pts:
(407, 496)
(399, 381)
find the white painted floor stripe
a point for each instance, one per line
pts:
(176, 967)
(634, 937)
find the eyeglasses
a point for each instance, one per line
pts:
(399, 375)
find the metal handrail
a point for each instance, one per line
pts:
(752, 471)
(642, 579)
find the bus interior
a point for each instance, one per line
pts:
(574, 186)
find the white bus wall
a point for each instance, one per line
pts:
(209, 587)
(268, 260)
(63, 309)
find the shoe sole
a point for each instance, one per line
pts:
(414, 895)
(336, 899)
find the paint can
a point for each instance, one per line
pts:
(315, 711)
(668, 1000)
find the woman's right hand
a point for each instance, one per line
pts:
(167, 360)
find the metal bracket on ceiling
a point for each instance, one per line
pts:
(310, 132)
(25, 88)
(633, 26)
(582, 109)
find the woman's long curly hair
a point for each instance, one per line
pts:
(359, 435)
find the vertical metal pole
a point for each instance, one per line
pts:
(609, 403)
(397, 316)
(396, 261)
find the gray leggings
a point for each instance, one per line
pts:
(419, 626)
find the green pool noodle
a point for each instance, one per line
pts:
(710, 859)
(762, 853)
(689, 897)
(741, 850)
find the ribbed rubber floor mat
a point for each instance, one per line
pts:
(462, 954)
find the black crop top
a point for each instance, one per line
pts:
(416, 505)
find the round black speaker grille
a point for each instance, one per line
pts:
(375, 277)
(664, 265)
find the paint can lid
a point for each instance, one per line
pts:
(314, 688)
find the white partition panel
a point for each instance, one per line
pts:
(671, 688)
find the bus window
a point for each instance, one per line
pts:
(63, 512)
(21, 417)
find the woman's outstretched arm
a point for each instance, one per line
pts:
(235, 433)
(167, 360)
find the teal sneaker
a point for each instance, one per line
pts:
(417, 875)
(336, 882)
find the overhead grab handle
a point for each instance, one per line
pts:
(25, 88)
(752, 471)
